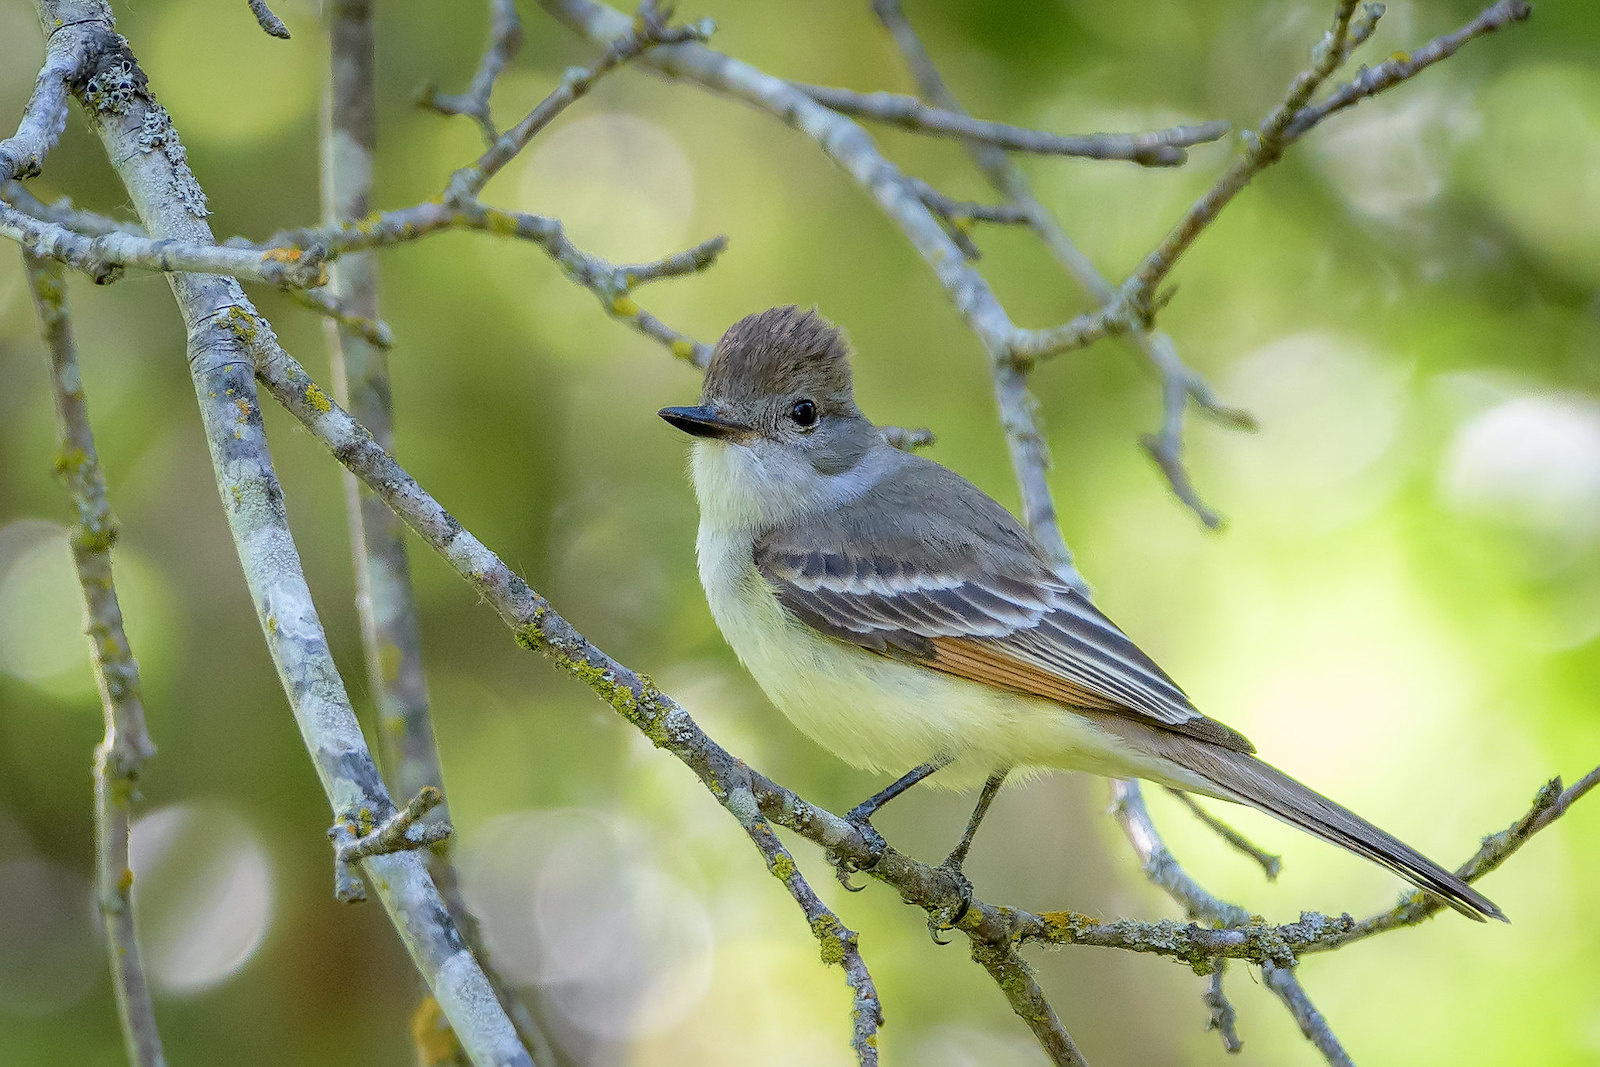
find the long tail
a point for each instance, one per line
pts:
(1240, 777)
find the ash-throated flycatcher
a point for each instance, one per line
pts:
(903, 619)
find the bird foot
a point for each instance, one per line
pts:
(945, 918)
(844, 866)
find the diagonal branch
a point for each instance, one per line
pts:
(119, 758)
(838, 943)
(1158, 148)
(611, 284)
(216, 312)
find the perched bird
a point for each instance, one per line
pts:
(909, 624)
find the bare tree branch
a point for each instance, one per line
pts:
(1179, 383)
(1403, 65)
(611, 284)
(63, 214)
(1162, 868)
(1313, 1024)
(117, 100)
(649, 29)
(1016, 980)
(505, 41)
(372, 331)
(104, 257)
(838, 943)
(1158, 148)
(1224, 1019)
(849, 146)
(1136, 301)
(119, 759)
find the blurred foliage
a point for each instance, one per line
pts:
(1404, 611)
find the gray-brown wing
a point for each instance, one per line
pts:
(953, 585)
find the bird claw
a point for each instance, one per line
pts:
(945, 918)
(844, 867)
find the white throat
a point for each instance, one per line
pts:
(762, 484)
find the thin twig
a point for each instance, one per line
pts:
(958, 216)
(1162, 868)
(1313, 1024)
(611, 284)
(1270, 864)
(1405, 65)
(63, 214)
(44, 117)
(374, 332)
(1224, 1019)
(1021, 988)
(505, 41)
(1549, 804)
(104, 257)
(1135, 302)
(838, 943)
(1158, 148)
(270, 23)
(649, 30)
(119, 759)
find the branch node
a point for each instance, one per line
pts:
(354, 838)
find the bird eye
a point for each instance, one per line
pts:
(804, 412)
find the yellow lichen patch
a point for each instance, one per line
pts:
(435, 1042)
(499, 222)
(244, 409)
(828, 932)
(624, 305)
(272, 624)
(783, 868)
(318, 399)
(389, 661)
(1066, 926)
(283, 255)
(125, 880)
(683, 348)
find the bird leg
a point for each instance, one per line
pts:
(860, 817)
(948, 917)
(991, 789)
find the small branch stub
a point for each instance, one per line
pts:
(398, 833)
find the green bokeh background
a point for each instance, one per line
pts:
(1404, 610)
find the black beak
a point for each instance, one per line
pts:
(703, 421)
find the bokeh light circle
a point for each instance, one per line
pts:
(203, 887)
